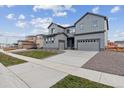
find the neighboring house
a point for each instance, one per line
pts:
(111, 45)
(39, 40)
(28, 43)
(31, 38)
(120, 43)
(32, 42)
(89, 33)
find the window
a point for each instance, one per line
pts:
(68, 31)
(52, 30)
(95, 23)
(46, 39)
(49, 38)
(73, 30)
(52, 38)
(52, 41)
(81, 26)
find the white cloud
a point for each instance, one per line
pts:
(116, 35)
(39, 31)
(11, 16)
(9, 6)
(1, 5)
(60, 14)
(115, 9)
(40, 25)
(21, 16)
(64, 25)
(95, 9)
(41, 22)
(58, 10)
(119, 34)
(21, 24)
(54, 7)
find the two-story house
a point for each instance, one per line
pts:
(89, 33)
(28, 43)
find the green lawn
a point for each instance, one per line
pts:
(8, 60)
(71, 81)
(37, 54)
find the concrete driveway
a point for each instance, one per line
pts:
(72, 57)
(47, 72)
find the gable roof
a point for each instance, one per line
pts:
(31, 36)
(105, 18)
(119, 41)
(89, 13)
(57, 25)
(40, 35)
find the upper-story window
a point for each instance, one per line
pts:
(68, 31)
(81, 26)
(95, 23)
(52, 30)
(73, 30)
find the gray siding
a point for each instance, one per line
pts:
(56, 42)
(72, 31)
(88, 23)
(92, 36)
(57, 29)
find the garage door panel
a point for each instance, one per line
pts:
(88, 45)
(61, 45)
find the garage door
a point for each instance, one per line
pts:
(61, 44)
(88, 45)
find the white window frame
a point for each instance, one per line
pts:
(81, 27)
(95, 23)
(52, 30)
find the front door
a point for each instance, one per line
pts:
(70, 43)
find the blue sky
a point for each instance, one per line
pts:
(19, 21)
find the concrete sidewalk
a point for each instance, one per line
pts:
(10, 80)
(37, 76)
(105, 78)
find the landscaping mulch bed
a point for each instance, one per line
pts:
(107, 61)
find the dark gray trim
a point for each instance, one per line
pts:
(59, 43)
(70, 26)
(57, 25)
(121, 42)
(51, 35)
(89, 39)
(31, 36)
(40, 35)
(89, 33)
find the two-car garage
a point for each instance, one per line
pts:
(88, 44)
